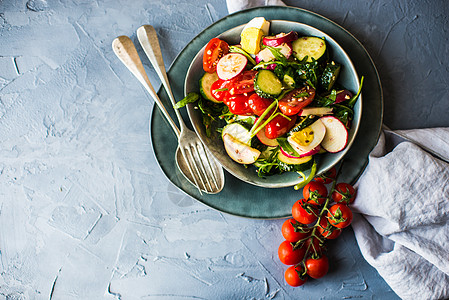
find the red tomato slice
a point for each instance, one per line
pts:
(220, 89)
(238, 104)
(243, 83)
(279, 126)
(258, 104)
(294, 101)
(215, 49)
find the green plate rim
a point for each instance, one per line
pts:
(217, 201)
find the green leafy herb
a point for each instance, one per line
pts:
(352, 101)
(190, 98)
(241, 51)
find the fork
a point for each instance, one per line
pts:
(203, 170)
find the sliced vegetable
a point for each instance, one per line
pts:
(312, 47)
(238, 151)
(278, 126)
(315, 111)
(336, 136)
(238, 49)
(251, 40)
(259, 104)
(238, 104)
(265, 140)
(288, 150)
(294, 101)
(259, 23)
(214, 50)
(206, 85)
(219, 89)
(308, 138)
(329, 76)
(267, 55)
(280, 38)
(267, 84)
(289, 164)
(231, 65)
(342, 95)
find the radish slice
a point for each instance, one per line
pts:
(279, 39)
(336, 137)
(239, 152)
(316, 111)
(343, 95)
(300, 140)
(311, 152)
(231, 65)
(265, 140)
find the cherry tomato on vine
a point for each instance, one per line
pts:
(327, 230)
(315, 192)
(339, 215)
(289, 233)
(304, 213)
(294, 275)
(314, 243)
(317, 267)
(288, 256)
(215, 49)
(328, 176)
(343, 193)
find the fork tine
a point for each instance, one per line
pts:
(200, 161)
(194, 164)
(208, 158)
(184, 154)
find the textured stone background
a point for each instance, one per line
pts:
(86, 213)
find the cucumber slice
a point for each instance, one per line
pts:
(290, 164)
(237, 131)
(206, 84)
(329, 76)
(267, 84)
(312, 47)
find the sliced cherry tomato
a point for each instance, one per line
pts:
(339, 215)
(243, 83)
(343, 193)
(279, 126)
(238, 104)
(328, 176)
(327, 230)
(289, 233)
(220, 89)
(288, 255)
(304, 213)
(258, 104)
(215, 49)
(294, 101)
(317, 267)
(315, 192)
(294, 275)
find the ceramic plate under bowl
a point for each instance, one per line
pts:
(246, 200)
(348, 78)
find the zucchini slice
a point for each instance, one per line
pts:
(206, 84)
(312, 47)
(267, 84)
(289, 164)
(329, 76)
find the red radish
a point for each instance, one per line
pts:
(265, 140)
(316, 111)
(343, 95)
(266, 55)
(300, 141)
(336, 136)
(281, 38)
(231, 65)
(311, 152)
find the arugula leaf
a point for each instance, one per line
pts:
(241, 51)
(190, 98)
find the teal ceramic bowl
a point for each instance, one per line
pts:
(348, 78)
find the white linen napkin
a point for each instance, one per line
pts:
(402, 228)
(401, 222)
